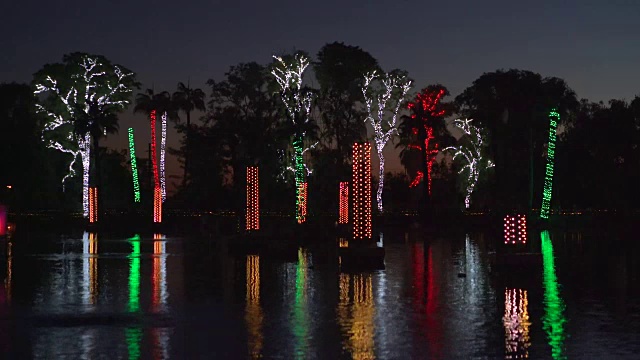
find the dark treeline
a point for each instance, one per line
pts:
(245, 124)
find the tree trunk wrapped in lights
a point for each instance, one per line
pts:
(253, 199)
(163, 147)
(288, 73)
(554, 119)
(79, 94)
(344, 203)
(93, 204)
(157, 204)
(134, 167)
(472, 155)
(361, 194)
(381, 100)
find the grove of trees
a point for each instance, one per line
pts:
(251, 118)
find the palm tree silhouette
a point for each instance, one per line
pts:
(188, 100)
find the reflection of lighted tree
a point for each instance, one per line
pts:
(553, 319)
(160, 293)
(356, 314)
(253, 310)
(134, 274)
(133, 336)
(300, 314)
(90, 267)
(516, 324)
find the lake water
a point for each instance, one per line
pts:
(90, 296)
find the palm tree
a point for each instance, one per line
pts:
(188, 100)
(148, 101)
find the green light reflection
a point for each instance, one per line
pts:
(134, 275)
(134, 334)
(300, 315)
(554, 319)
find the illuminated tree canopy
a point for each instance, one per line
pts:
(288, 72)
(384, 94)
(472, 155)
(73, 90)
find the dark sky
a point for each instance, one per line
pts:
(593, 45)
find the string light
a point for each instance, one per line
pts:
(515, 229)
(134, 167)
(472, 154)
(289, 75)
(94, 81)
(361, 194)
(93, 204)
(154, 161)
(157, 204)
(302, 203)
(416, 181)
(554, 119)
(253, 206)
(425, 106)
(379, 101)
(163, 145)
(344, 203)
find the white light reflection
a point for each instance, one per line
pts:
(516, 324)
(89, 268)
(160, 293)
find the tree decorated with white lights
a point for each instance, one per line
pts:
(73, 96)
(288, 73)
(471, 153)
(383, 94)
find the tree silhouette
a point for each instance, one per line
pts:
(512, 106)
(188, 100)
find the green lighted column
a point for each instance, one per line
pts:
(554, 119)
(553, 319)
(299, 175)
(134, 167)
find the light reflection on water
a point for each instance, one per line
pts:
(437, 298)
(553, 319)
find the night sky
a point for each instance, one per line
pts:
(593, 45)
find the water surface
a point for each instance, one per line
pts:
(157, 296)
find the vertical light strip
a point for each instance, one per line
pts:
(163, 145)
(93, 205)
(157, 205)
(361, 194)
(344, 203)
(253, 199)
(134, 167)
(154, 161)
(554, 119)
